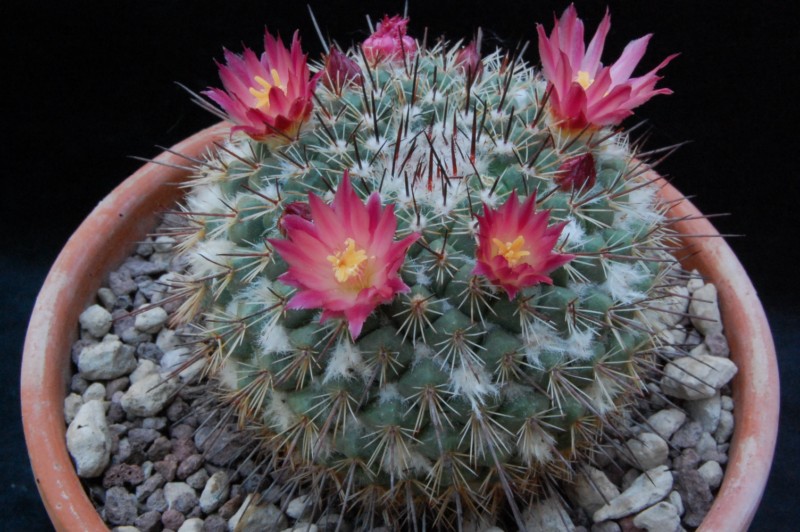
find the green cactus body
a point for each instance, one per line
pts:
(453, 397)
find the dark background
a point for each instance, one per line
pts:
(88, 84)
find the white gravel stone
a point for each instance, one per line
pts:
(151, 320)
(661, 517)
(163, 244)
(649, 488)
(725, 427)
(670, 310)
(195, 524)
(706, 411)
(89, 440)
(704, 310)
(606, 526)
(299, 506)
(146, 397)
(72, 403)
(592, 489)
(302, 527)
(707, 447)
(96, 390)
(695, 283)
(167, 340)
(666, 422)
(545, 516)
(648, 451)
(215, 492)
(697, 378)
(255, 517)
(106, 360)
(173, 359)
(676, 501)
(711, 471)
(143, 369)
(173, 490)
(95, 320)
(726, 403)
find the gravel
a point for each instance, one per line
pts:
(156, 457)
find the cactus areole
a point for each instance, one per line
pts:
(428, 289)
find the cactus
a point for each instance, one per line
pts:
(428, 282)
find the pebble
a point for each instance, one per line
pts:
(697, 378)
(695, 494)
(547, 515)
(302, 527)
(172, 519)
(189, 465)
(216, 523)
(95, 320)
(299, 507)
(725, 427)
(661, 517)
(666, 422)
(606, 526)
(195, 524)
(175, 358)
(704, 310)
(255, 517)
(676, 501)
(123, 474)
(89, 440)
(149, 521)
(151, 320)
(717, 344)
(149, 486)
(215, 492)
(179, 496)
(72, 403)
(198, 480)
(121, 283)
(688, 435)
(120, 507)
(711, 472)
(649, 488)
(107, 298)
(674, 307)
(706, 411)
(329, 523)
(148, 396)
(593, 489)
(648, 451)
(106, 360)
(95, 391)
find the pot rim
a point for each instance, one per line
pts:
(136, 203)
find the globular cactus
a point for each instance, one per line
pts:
(428, 281)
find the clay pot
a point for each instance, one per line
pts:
(110, 234)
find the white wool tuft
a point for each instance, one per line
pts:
(472, 382)
(345, 363)
(274, 338)
(389, 393)
(278, 412)
(620, 276)
(227, 376)
(579, 344)
(206, 199)
(573, 234)
(209, 257)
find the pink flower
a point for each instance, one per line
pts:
(469, 60)
(339, 71)
(515, 245)
(266, 97)
(344, 260)
(583, 91)
(389, 42)
(577, 173)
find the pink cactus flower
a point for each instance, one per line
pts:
(268, 97)
(577, 173)
(339, 71)
(344, 260)
(469, 59)
(583, 91)
(515, 245)
(390, 42)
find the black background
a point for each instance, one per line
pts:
(88, 84)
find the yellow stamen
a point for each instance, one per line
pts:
(512, 251)
(263, 95)
(583, 79)
(347, 263)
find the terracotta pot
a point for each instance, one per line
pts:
(111, 231)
